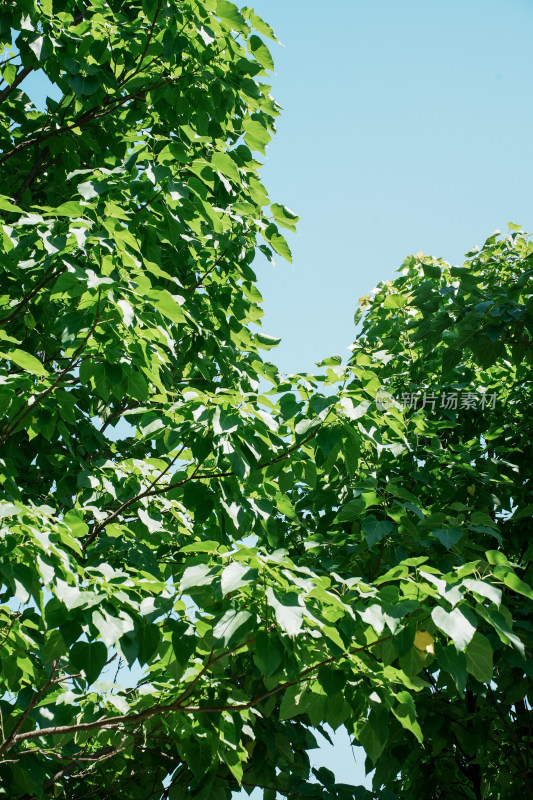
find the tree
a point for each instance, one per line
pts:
(435, 523)
(186, 598)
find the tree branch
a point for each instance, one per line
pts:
(194, 476)
(146, 46)
(12, 738)
(87, 117)
(18, 80)
(129, 719)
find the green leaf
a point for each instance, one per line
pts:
(284, 216)
(351, 512)
(448, 537)
(256, 137)
(454, 663)
(479, 658)
(450, 359)
(303, 427)
(266, 342)
(84, 86)
(394, 301)
(200, 757)
(289, 613)
(74, 520)
(261, 52)
(89, 658)
(290, 704)
(199, 575)
(325, 776)
(405, 713)
(277, 242)
(486, 350)
(230, 14)
(70, 209)
(7, 205)
(373, 733)
(485, 589)
(455, 625)
(8, 510)
(261, 26)
(177, 792)
(337, 711)
(26, 361)
(496, 557)
(226, 165)
(149, 639)
(369, 739)
(167, 305)
(235, 576)
(91, 189)
(54, 646)
(502, 627)
(201, 547)
(513, 582)
(232, 627)
(41, 48)
(375, 530)
(268, 654)
(332, 680)
(9, 73)
(109, 627)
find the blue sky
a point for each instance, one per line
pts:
(406, 127)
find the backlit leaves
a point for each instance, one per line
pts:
(202, 559)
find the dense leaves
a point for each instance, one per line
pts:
(201, 561)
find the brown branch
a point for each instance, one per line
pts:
(7, 60)
(124, 407)
(194, 476)
(137, 497)
(9, 627)
(229, 474)
(209, 271)
(148, 202)
(190, 688)
(96, 758)
(210, 661)
(41, 283)
(30, 177)
(305, 675)
(12, 738)
(87, 117)
(128, 719)
(146, 46)
(20, 77)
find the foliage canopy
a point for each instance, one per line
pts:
(266, 555)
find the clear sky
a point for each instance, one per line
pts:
(406, 127)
